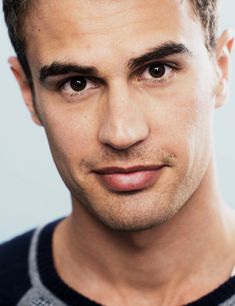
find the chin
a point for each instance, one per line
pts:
(132, 212)
(135, 220)
(125, 226)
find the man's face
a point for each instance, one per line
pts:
(126, 97)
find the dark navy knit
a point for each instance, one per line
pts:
(28, 276)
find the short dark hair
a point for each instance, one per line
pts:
(207, 11)
(15, 12)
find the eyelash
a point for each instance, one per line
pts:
(172, 69)
(62, 84)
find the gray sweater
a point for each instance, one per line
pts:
(28, 276)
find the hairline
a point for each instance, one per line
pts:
(21, 36)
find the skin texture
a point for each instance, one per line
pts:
(114, 118)
(125, 118)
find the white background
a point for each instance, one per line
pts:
(31, 191)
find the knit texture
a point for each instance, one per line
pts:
(28, 276)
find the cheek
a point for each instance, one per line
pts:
(183, 121)
(194, 127)
(71, 132)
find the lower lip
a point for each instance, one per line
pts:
(121, 182)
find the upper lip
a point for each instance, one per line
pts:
(113, 170)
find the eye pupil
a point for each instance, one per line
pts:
(78, 84)
(157, 71)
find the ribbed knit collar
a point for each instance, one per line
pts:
(49, 275)
(55, 284)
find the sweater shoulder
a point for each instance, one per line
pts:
(14, 275)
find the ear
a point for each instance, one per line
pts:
(223, 53)
(25, 88)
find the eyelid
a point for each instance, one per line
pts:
(170, 64)
(55, 83)
(65, 89)
(146, 77)
(60, 84)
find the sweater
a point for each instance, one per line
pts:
(28, 276)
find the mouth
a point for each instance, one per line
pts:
(119, 179)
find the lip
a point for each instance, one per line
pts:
(120, 179)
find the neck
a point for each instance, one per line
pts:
(173, 256)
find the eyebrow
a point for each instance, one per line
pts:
(157, 53)
(160, 52)
(60, 68)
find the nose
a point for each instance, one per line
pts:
(123, 122)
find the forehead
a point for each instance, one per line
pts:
(93, 28)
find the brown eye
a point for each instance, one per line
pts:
(157, 70)
(78, 83)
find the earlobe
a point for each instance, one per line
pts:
(223, 51)
(25, 88)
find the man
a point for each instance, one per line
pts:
(126, 92)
